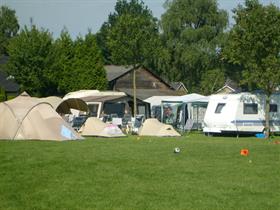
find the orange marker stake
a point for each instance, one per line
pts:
(244, 152)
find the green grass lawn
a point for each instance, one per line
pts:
(140, 173)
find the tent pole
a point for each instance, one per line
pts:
(197, 117)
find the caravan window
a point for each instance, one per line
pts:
(93, 109)
(116, 109)
(272, 107)
(219, 108)
(250, 108)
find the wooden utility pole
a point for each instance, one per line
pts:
(134, 92)
(267, 117)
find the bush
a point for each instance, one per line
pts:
(2, 98)
(2, 94)
(9, 97)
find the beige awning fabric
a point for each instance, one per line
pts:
(95, 127)
(95, 95)
(64, 106)
(72, 103)
(152, 127)
(25, 117)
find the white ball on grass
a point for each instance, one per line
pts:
(177, 150)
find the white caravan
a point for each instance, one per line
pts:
(240, 113)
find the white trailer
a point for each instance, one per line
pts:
(241, 113)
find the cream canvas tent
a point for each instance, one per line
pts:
(152, 127)
(95, 127)
(26, 117)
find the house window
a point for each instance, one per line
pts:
(272, 107)
(250, 108)
(219, 108)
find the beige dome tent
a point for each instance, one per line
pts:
(152, 127)
(26, 117)
(95, 127)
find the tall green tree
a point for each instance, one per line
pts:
(30, 60)
(8, 27)
(254, 43)
(122, 7)
(212, 80)
(133, 37)
(192, 32)
(88, 64)
(63, 51)
(79, 63)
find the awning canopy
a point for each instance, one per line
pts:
(64, 106)
(95, 95)
(189, 98)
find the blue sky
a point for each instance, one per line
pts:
(80, 15)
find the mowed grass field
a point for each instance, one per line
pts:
(141, 173)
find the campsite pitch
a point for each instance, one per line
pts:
(126, 173)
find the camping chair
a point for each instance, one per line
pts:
(138, 121)
(114, 115)
(105, 118)
(78, 122)
(126, 119)
(126, 122)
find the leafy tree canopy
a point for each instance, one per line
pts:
(8, 27)
(79, 63)
(132, 39)
(130, 24)
(192, 32)
(63, 51)
(30, 59)
(45, 67)
(212, 80)
(254, 43)
(88, 63)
